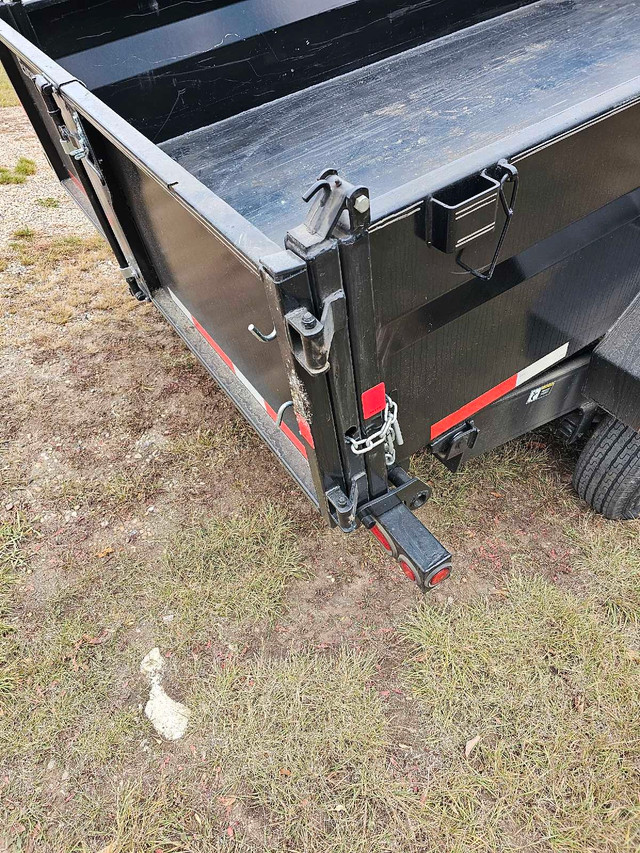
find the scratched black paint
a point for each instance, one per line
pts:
(169, 67)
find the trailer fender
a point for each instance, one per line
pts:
(613, 379)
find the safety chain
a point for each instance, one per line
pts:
(388, 434)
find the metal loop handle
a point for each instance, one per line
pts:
(260, 336)
(510, 175)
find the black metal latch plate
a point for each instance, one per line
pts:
(311, 338)
(452, 447)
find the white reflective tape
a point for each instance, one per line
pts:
(180, 305)
(253, 391)
(542, 364)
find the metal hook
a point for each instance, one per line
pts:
(321, 184)
(260, 336)
(283, 408)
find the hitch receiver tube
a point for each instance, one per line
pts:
(410, 543)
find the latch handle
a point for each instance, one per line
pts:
(509, 175)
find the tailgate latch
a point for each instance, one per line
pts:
(73, 144)
(332, 199)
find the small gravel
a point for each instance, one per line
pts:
(19, 207)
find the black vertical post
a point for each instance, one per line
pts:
(355, 258)
(289, 285)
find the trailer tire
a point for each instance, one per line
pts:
(607, 475)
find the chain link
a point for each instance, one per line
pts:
(388, 434)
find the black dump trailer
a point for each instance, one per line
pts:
(382, 226)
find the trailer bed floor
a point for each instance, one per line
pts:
(399, 119)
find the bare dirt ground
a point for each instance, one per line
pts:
(332, 709)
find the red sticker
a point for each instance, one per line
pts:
(373, 401)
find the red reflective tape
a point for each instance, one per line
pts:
(294, 439)
(305, 430)
(210, 340)
(474, 406)
(271, 412)
(373, 401)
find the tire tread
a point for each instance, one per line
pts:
(607, 475)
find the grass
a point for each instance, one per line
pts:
(65, 277)
(205, 445)
(12, 560)
(551, 690)
(24, 233)
(235, 566)
(23, 169)
(289, 746)
(298, 749)
(48, 202)
(608, 555)
(528, 459)
(8, 97)
(46, 254)
(212, 447)
(301, 743)
(8, 176)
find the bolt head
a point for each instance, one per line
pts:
(362, 204)
(342, 500)
(308, 320)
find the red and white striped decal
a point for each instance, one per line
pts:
(303, 426)
(500, 390)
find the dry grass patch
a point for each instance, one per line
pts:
(212, 447)
(301, 743)
(526, 463)
(63, 668)
(236, 566)
(608, 556)
(60, 279)
(12, 533)
(47, 254)
(205, 445)
(118, 495)
(551, 690)
(48, 201)
(68, 700)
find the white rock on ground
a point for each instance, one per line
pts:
(168, 717)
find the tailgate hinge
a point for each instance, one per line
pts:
(311, 338)
(346, 510)
(75, 144)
